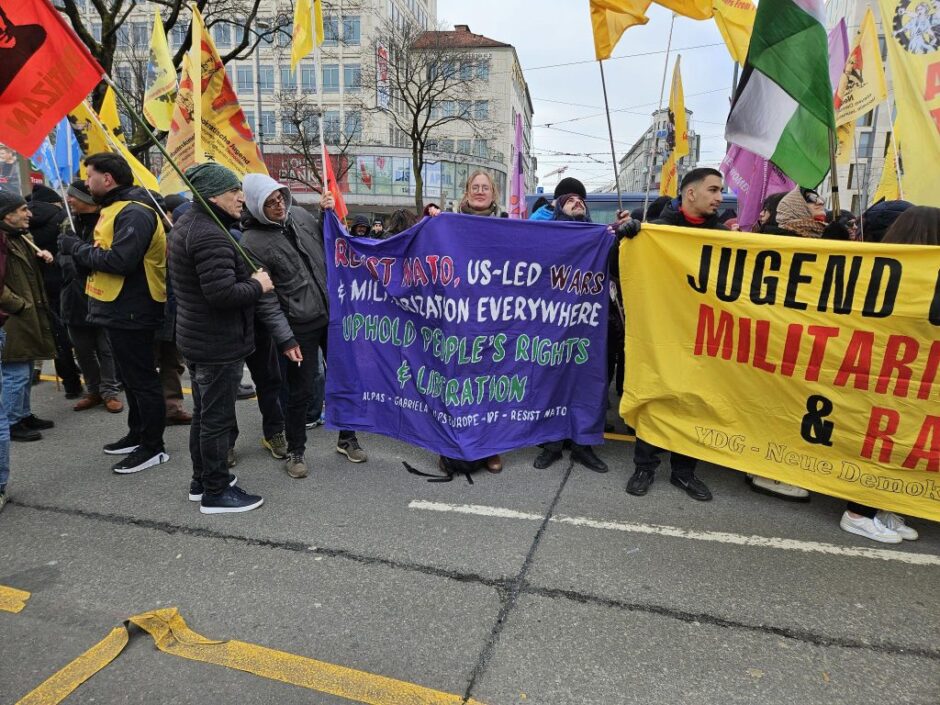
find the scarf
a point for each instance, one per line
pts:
(466, 209)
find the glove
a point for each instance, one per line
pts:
(628, 229)
(836, 231)
(68, 243)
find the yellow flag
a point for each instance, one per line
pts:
(611, 18)
(889, 187)
(110, 117)
(915, 76)
(862, 84)
(677, 136)
(225, 135)
(161, 79)
(735, 19)
(845, 143)
(305, 34)
(94, 136)
(196, 56)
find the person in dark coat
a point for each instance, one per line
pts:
(45, 224)
(28, 327)
(217, 296)
(360, 226)
(880, 217)
(697, 207)
(127, 292)
(571, 208)
(90, 342)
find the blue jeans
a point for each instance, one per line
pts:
(4, 428)
(17, 385)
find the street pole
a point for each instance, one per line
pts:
(258, 97)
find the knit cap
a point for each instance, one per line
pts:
(9, 202)
(79, 191)
(211, 179)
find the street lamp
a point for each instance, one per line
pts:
(262, 25)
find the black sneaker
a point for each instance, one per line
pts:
(639, 483)
(140, 459)
(587, 457)
(196, 490)
(19, 432)
(231, 499)
(695, 488)
(34, 423)
(245, 391)
(546, 458)
(126, 445)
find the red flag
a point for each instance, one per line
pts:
(45, 71)
(340, 206)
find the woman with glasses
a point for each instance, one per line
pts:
(802, 212)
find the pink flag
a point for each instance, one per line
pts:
(517, 178)
(838, 52)
(752, 178)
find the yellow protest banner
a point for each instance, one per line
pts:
(911, 33)
(812, 362)
(161, 79)
(677, 137)
(206, 98)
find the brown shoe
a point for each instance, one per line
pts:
(87, 402)
(180, 417)
(494, 464)
(113, 405)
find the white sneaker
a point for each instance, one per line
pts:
(778, 488)
(896, 523)
(869, 528)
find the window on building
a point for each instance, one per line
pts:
(447, 146)
(851, 180)
(887, 145)
(479, 148)
(352, 126)
(330, 78)
(352, 77)
(866, 119)
(865, 145)
(140, 34)
(352, 31)
(330, 31)
(268, 123)
(250, 119)
(448, 108)
(245, 78)
(124, 77)
(288, 127)
(466, 71)
(331, 126)
(96, 31)
(230, 74)
(483, 70)
(266, 78)
(177, 34)
(124, 36)
(308, 77)
(463, 146)
(463, 107)
(288, 79)
(435, 110)
(265, 29)
(284, 33)
(222, 34)
(481, 109)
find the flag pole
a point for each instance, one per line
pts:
(610, 132)
(65, 199)
(662, 92)
(897, 149)
(833, 172)
(166, 155)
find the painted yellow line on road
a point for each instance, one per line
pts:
(60, 686)
(171, 635)
(12, 600)
(51, 378)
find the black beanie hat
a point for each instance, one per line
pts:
(9, 202)
(45, 194)
(79, 190)
(570, 185)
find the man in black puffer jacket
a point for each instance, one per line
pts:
(217, 296)
(697, 207)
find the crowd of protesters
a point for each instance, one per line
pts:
(119, 287)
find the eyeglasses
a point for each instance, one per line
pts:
(274, 201)
(814, 199)
(480, 188)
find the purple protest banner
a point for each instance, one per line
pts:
(752, 178)
(469, 336)
(838, 52)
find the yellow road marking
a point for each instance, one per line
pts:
(171, 635)
(52, 378)
(12, 600)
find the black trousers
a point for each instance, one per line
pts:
(215, 390)
(65, 367)
(646, 457)
(264, 366)
(133, 357)
(861, 509)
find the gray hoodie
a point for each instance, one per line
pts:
(258, 188)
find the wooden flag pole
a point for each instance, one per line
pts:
(834, 174)
(662, 92)
(610, 132)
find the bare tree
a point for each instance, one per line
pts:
(299, 114)
(426, 85)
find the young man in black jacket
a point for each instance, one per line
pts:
(217, 296)
(127, 291)
(697, 207)
(288, 242)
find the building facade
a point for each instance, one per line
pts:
(635, 171)
(371, 156)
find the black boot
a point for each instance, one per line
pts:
(695, 488)
(587, 457)
(548, 456)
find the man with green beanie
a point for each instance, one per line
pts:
(217, 298)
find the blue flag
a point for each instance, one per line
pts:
(59, 163)
(469, 336)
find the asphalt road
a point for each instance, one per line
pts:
(530, 586)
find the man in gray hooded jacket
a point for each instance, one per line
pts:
(288, 242)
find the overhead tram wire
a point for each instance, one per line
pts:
(624, 56)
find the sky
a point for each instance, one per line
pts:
(549, 32)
